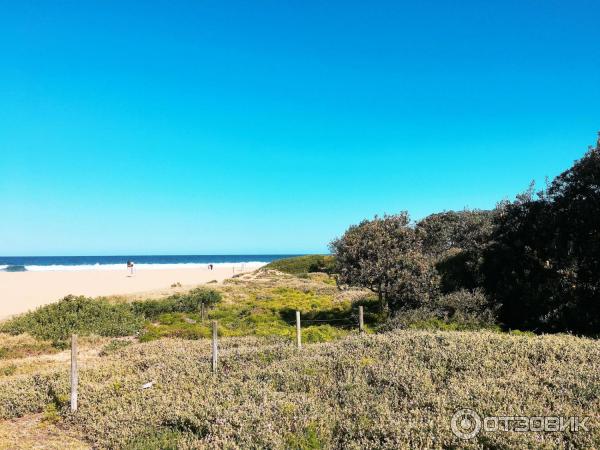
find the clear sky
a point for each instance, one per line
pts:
(270, 126)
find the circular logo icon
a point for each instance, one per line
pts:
(465, 423)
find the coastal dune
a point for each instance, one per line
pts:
(24, 291)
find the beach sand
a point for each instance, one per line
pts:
(24, 291)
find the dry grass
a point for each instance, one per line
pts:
(25, 355)
(32, 432)
(23, 345)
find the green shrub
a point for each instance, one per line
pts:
(446, 325)
(201, 295)
(303, 264)
(188, 302)
(460, 311)
(79, 315)
(51, 414)
(468, 306)
(174, 326)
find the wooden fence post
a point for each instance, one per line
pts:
(214, 346)
(298, 330)
(202, 312)
(74, 375)
(361, 320)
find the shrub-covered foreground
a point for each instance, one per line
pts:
(392, 390)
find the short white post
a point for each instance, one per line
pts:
(214, 346)
(74, 375)
(298, 330)
(361, 321)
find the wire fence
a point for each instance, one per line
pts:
(326, 321)
(74, 379)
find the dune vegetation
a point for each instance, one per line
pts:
(392, 390)
(302, 265)
(260, 304)
(395, 388)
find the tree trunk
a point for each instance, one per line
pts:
(381, 301)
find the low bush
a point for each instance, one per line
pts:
(87, 316)
(450, 325)
(427, 319)
(468, 306)
(188, 302)
(80, 315)
(300, 265)
(459, 311)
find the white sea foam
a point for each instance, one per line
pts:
(248, 265)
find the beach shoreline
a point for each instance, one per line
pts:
(24, 291)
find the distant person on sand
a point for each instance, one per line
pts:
(210, 267)
(130, 268)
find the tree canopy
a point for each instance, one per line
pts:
(385, 255)
(543, 260)
(537, 258)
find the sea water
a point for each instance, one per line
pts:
(142, 262)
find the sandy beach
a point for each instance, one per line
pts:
(23, 291)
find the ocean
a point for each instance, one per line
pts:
(142, 262)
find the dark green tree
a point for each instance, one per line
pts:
(456, 240)
(384, 255)
(543, 263)
(455, 230)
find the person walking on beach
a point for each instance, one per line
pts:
(130, 268)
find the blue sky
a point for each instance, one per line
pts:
(269, 127)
